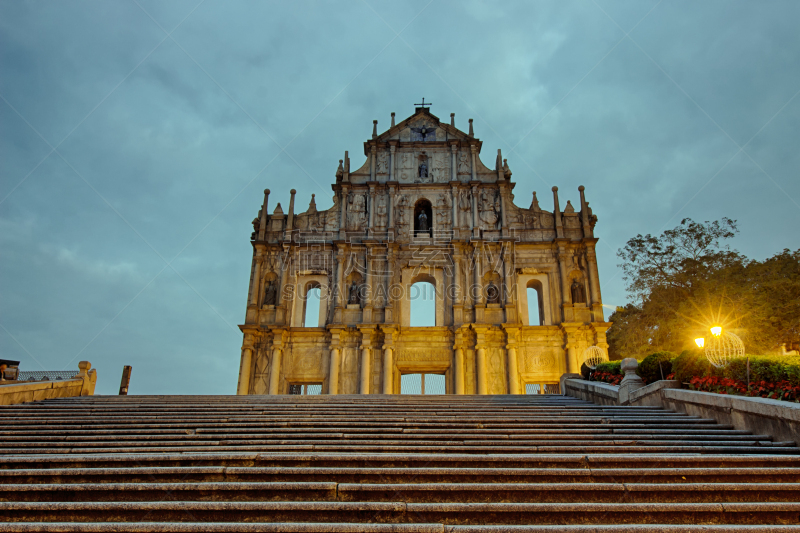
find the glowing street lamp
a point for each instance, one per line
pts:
(700, 342)
(716, 331)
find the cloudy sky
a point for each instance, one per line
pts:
(136, 137)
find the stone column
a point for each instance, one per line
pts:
(557, 215)
(573, 367)
(390, 208)
(453, 163)
(340, 279)
(275, 371)
(285, 276)
(244, 371)
(459, 370)
(372, 153)
(566, 297)
(513, 374)
(290, 219)
(594, 280)
(457, 289)
(503, 205)
(587, 227)
(366, 370)
(343, 206)
(392, 150)
(388, 369)
(371, 208)
(477, 288)
(482, 371)
(256, 278)
(476, 232)
(453, 226)
(473, 156)
(262, 227)
(333, 376)
(370, 277)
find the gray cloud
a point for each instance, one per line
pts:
(179, 149)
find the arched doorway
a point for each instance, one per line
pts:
(422, 304)
(423, 219)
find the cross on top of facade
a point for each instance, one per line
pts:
(423, 104)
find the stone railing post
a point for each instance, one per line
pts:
(631, 381)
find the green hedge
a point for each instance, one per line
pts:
(691, 363)
(770, 368)
(656, 366)
(612, 367)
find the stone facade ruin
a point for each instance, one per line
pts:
(423, 207)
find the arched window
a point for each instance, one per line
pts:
(423, 219)
(311, 304)
(422, 302)
(535, 303)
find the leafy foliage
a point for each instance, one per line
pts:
(656, 366)
(689, 364)
(610, 367)
(687, 279)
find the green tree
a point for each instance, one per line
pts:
(688, 279)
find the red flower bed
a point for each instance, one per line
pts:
(607, 377)
(782, 390)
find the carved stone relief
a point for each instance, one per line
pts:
(357, 211)
(423, 354)
(463, 163)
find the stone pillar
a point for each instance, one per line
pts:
(285, 276)
(333, 375)
(343, 207)
(366, 370)
(473, 156)
(630, 382)
(392, 150)
(340, 279)
(372, 160)
(594, 280)
(453, 162)
(477, 288)
(244, 370)
(371, 208)
(587, 227)
(275, 371)
(290, 219)
(370, 277)
(459, 370)
(503, 205)
(454, 225)
(573, 367)
(566, 297)
(513, 373)
(388, 370)
(557, 215)
(256, 278)
(476, 231)
(262, 227)
(457, 289)
(482, 371)
(390, 208)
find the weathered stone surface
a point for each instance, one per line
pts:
(423, 207)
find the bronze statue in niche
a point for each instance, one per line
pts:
(577, 292)
(270, 293)
(492, 294)
(355, 295)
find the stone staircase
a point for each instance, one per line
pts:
(385, 464)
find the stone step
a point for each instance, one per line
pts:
(349, 527)
(610, 462)
(402, 512)
(780, 448)
(366, 474)
(611, 492)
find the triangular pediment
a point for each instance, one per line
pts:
(423, 126)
